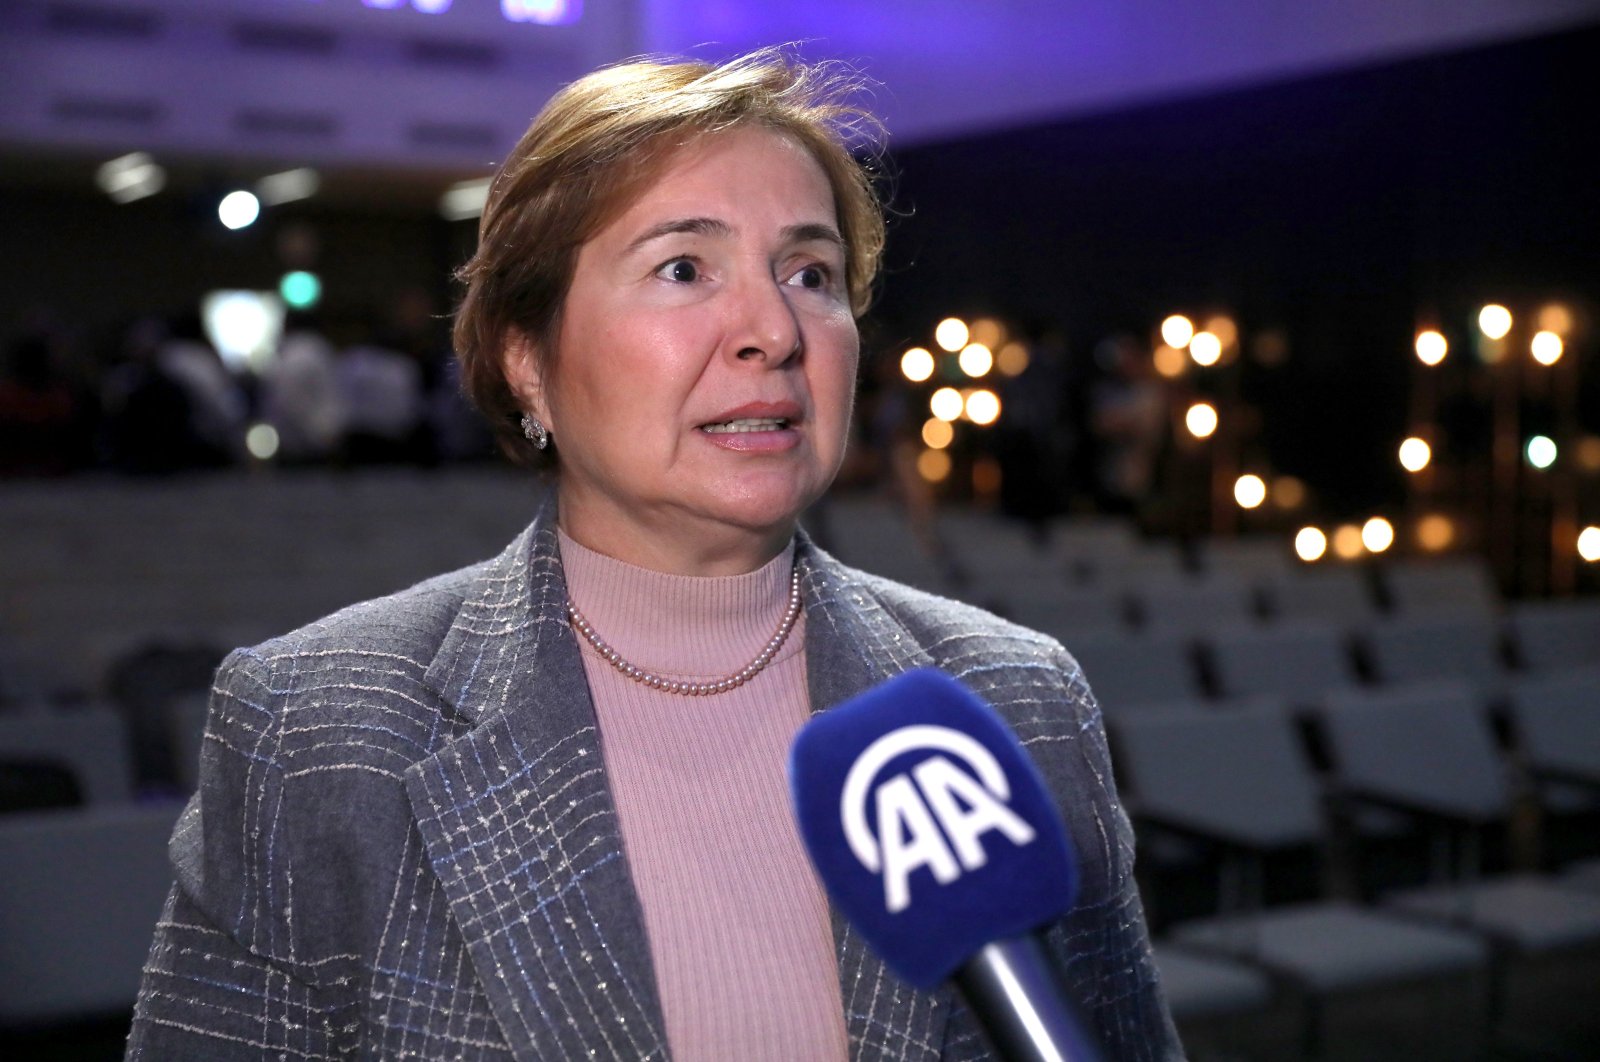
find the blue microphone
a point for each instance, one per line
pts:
(935, 836)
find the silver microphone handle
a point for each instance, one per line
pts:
(1012, 988)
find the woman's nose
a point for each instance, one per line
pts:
(767, 329)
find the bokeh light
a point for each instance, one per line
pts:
(131, 177)
(976, 360)
(1249, 491)
(1494, 321)
(300, 290)
(544, 12)
(1169, 361)
(1431, 347)
(289, 186)
(1415, 454)
(1540, 451)
(988, 331)
(916, 364)
(937, 434)
(1436, 532)
(1377, 534)
(1347, 542)
(1201, 420)
(933, 465)
(1547, 348)
(1310, 544)
(242, 325)
(946, 403)
(986, 477)
(1177, 330)
(1288, 492)
(1205, 349)
(1589, 543)
(465, 200)
(1588, 453)
(262, 441)
(983, 407)
(238, 209)
(951, 334)
(1554, 317)
(1224, 329)
(1012, 359)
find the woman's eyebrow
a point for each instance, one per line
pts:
(679, 226)
(811, 231)
(804, 232)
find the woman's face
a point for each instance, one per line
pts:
(702, 377)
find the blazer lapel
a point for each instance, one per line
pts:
(852, 645)
(520, 827)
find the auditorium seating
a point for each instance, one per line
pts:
(1132, 671)
(79, 893)
(90, 743)
(1192, 605)
(1557, 717)
(1341, 595)
(1458, 586)
(1241, 780)
(1554, 635)
(1430, 752)
(1432, 646)
(98, 569)
(1298, 661)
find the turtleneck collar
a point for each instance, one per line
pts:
(680, 625)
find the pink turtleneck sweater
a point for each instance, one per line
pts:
(738, 924)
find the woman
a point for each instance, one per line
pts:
(537, 808)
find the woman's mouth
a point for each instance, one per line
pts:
(746, 424)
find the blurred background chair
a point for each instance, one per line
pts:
(1430, 752)
(1241, 780)
(78, 903)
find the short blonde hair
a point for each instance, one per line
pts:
(589, 153)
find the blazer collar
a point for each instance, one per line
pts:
(520, 825)
(852, 644)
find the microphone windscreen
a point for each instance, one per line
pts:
(928, 824)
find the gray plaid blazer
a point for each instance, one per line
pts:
(404, 846)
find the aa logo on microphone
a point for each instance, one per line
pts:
(934, 815)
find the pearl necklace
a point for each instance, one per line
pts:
(694, 689)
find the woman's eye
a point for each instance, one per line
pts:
(814, 277)
(681, 270)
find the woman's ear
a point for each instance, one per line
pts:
(524, 369)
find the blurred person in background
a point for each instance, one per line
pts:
(381, 393)
(149, 417)
(300, 393)
(217, 403)
(538, 808)
(1128, 415)
(1036, 440)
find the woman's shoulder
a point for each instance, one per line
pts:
(408, 624)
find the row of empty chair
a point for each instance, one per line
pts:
(1098, 570)
(1246, 783)
(1305, 662)
(94, 571)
